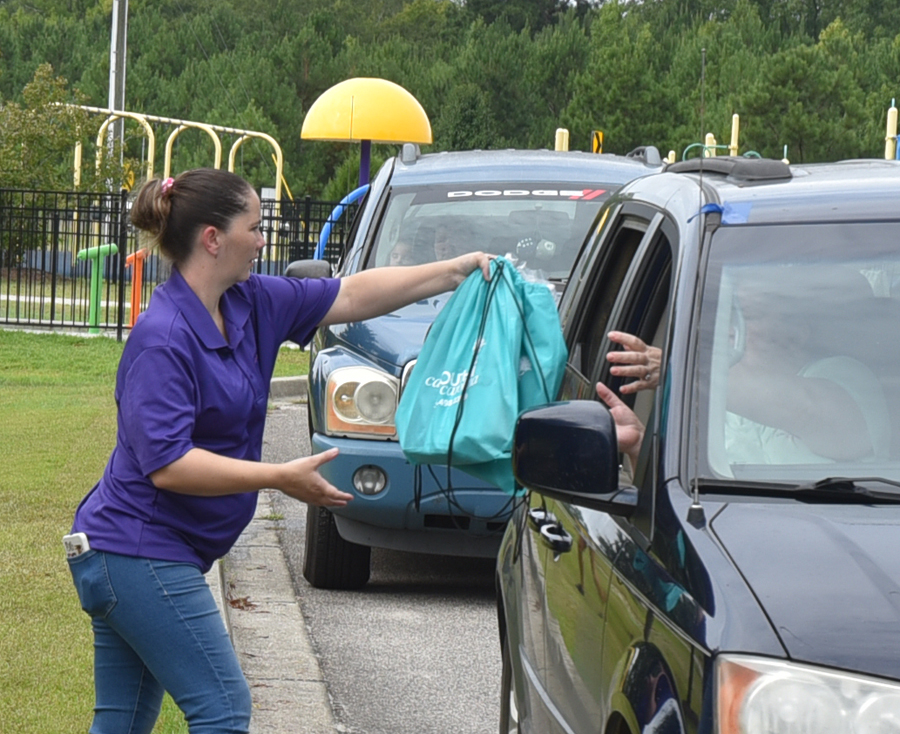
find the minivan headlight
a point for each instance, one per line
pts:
(778, 697)
(361, 401)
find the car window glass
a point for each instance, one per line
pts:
(629, 293)
(645, 314)
(541, 227)
(642, 309)
(800, 361)
(600, 295)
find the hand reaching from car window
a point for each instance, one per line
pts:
(637, 360)
(629, 429)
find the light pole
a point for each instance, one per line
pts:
(117, 45)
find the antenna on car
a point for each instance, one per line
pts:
(696, 515)
(702, 103)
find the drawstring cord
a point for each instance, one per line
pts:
(499, 276)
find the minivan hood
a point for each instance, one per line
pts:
(827, 576)
(394, 339)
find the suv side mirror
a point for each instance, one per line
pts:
(309, 269)
(568, 451)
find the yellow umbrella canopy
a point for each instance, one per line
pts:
(367, 109)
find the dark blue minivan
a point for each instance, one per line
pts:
(534, 206)
(737, 570)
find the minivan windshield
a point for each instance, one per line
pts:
(799, 363)
(542, 226)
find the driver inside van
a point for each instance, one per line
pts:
(787, 403)
(791, 402)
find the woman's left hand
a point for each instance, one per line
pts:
(472, 261)
(301, 480)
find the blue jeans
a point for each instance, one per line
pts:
(157, 628)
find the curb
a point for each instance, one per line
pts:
(288, 388)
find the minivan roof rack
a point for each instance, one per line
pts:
(737, 168)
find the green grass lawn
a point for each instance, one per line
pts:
(57, 430)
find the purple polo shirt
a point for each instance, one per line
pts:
(181, 385)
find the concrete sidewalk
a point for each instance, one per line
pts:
(253, 588)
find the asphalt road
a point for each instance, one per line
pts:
(416, 651)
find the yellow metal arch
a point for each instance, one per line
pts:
(279, 156)
(170, 142)
(211, 130)
(232, 154)
(112, 117)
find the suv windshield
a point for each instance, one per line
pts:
(799, 368)
(542, 226)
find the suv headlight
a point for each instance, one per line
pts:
(777, 697)
(361, 401)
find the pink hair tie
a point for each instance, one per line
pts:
(167, 186)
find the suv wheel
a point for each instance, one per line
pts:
(331, 562)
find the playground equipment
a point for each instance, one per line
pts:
(181, 125)
(96, 255)
(367, 110)
(136, 260)
(710, 146)
(891, 150)
(334, 216)
(363, 110)
(213, 131)
(890, 135)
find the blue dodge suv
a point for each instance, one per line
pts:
(536, 207)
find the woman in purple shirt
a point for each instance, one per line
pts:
(180, 486)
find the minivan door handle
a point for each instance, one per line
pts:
(556, 538)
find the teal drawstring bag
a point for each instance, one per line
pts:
(494, 350)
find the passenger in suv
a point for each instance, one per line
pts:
(740, 576)
(534, 206)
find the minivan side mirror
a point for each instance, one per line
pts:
(568, 451)
(309, 269)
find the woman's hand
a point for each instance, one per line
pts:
(303, 482)
(638, 360)
(629, 429)
(201, 472)
(471, 262)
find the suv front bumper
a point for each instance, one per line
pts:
(464, 516)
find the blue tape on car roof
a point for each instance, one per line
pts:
(731, 213)
(736, 213)
(707, 209)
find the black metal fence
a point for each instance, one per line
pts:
(72, 260)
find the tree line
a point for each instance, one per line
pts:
(812, 77)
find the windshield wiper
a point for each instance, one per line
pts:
(830, 489)
(842, 488)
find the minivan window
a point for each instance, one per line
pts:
(799, 364)
(541, 225)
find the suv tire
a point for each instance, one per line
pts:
(331, 562)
